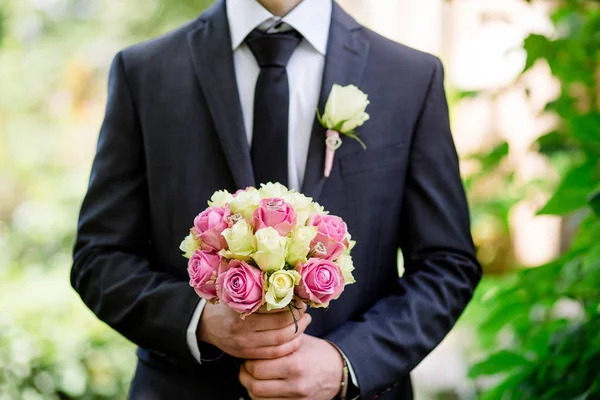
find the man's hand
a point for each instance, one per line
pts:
(258, 336)
(313, 372)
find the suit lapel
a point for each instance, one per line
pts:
(344, 64)
(210, 48)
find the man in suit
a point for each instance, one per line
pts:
(228, 101)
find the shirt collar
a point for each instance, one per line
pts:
(311, 18)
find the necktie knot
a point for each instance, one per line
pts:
(273, 49)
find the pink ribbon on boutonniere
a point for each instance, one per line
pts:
(332, 142)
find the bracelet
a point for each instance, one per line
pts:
(344, 384)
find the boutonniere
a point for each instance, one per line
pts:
(344, 112)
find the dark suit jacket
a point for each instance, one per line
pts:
(173, 134)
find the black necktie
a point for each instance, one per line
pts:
(269, 148)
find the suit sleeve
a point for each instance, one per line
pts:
(111, 268)
(441, 270)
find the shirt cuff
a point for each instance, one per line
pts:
(350, 370)
(192, 339)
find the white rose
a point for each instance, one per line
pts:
(270, 249)
(220, 198)
(245, 203)
(347, 266)
(240, 241)
(299, 245)
(190, 245)
(346, 106)
(351, 244)
(270, 190)
(317, 209)
(280, 290)
(301, 204)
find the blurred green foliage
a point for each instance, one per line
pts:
(542, 325)
(54, 56)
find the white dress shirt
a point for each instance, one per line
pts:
(311, 18)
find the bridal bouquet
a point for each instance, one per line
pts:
(261, 248)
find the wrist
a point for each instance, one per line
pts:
(342, 373)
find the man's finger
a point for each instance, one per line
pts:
(279, 336)
(264, 389)
(270, 352)
(279, 368)
(273, 321)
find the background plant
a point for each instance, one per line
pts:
(53, 61)
(542, 324)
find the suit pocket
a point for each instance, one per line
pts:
(375, 159)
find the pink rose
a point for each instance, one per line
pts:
(240, 286)
(322, 281)
(202, 268)
(331, 239)
(330, 225)
(276, 213)
(210, 224)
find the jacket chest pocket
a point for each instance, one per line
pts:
(369, 161)
(373, 182)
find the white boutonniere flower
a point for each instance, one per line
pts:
(344, 112)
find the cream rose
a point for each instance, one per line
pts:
(245, 202)
(271, 190)
(190, 245)
(346, 266)
(220, 198)
(280, 290)
(302, 205)
(271, 249)
(351, 244)
(240, 241)
(345, 109)
(299, 245)
(317, 209)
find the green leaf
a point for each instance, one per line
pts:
(594, 201)
(467, 94)
(320, 118)
(586, 129)
(339, 126)
(553, 143)
(572, 193)
(500, 362)
(355, 137)
(491, 159)
(537, 46)
(2, 25)
(507, 386)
